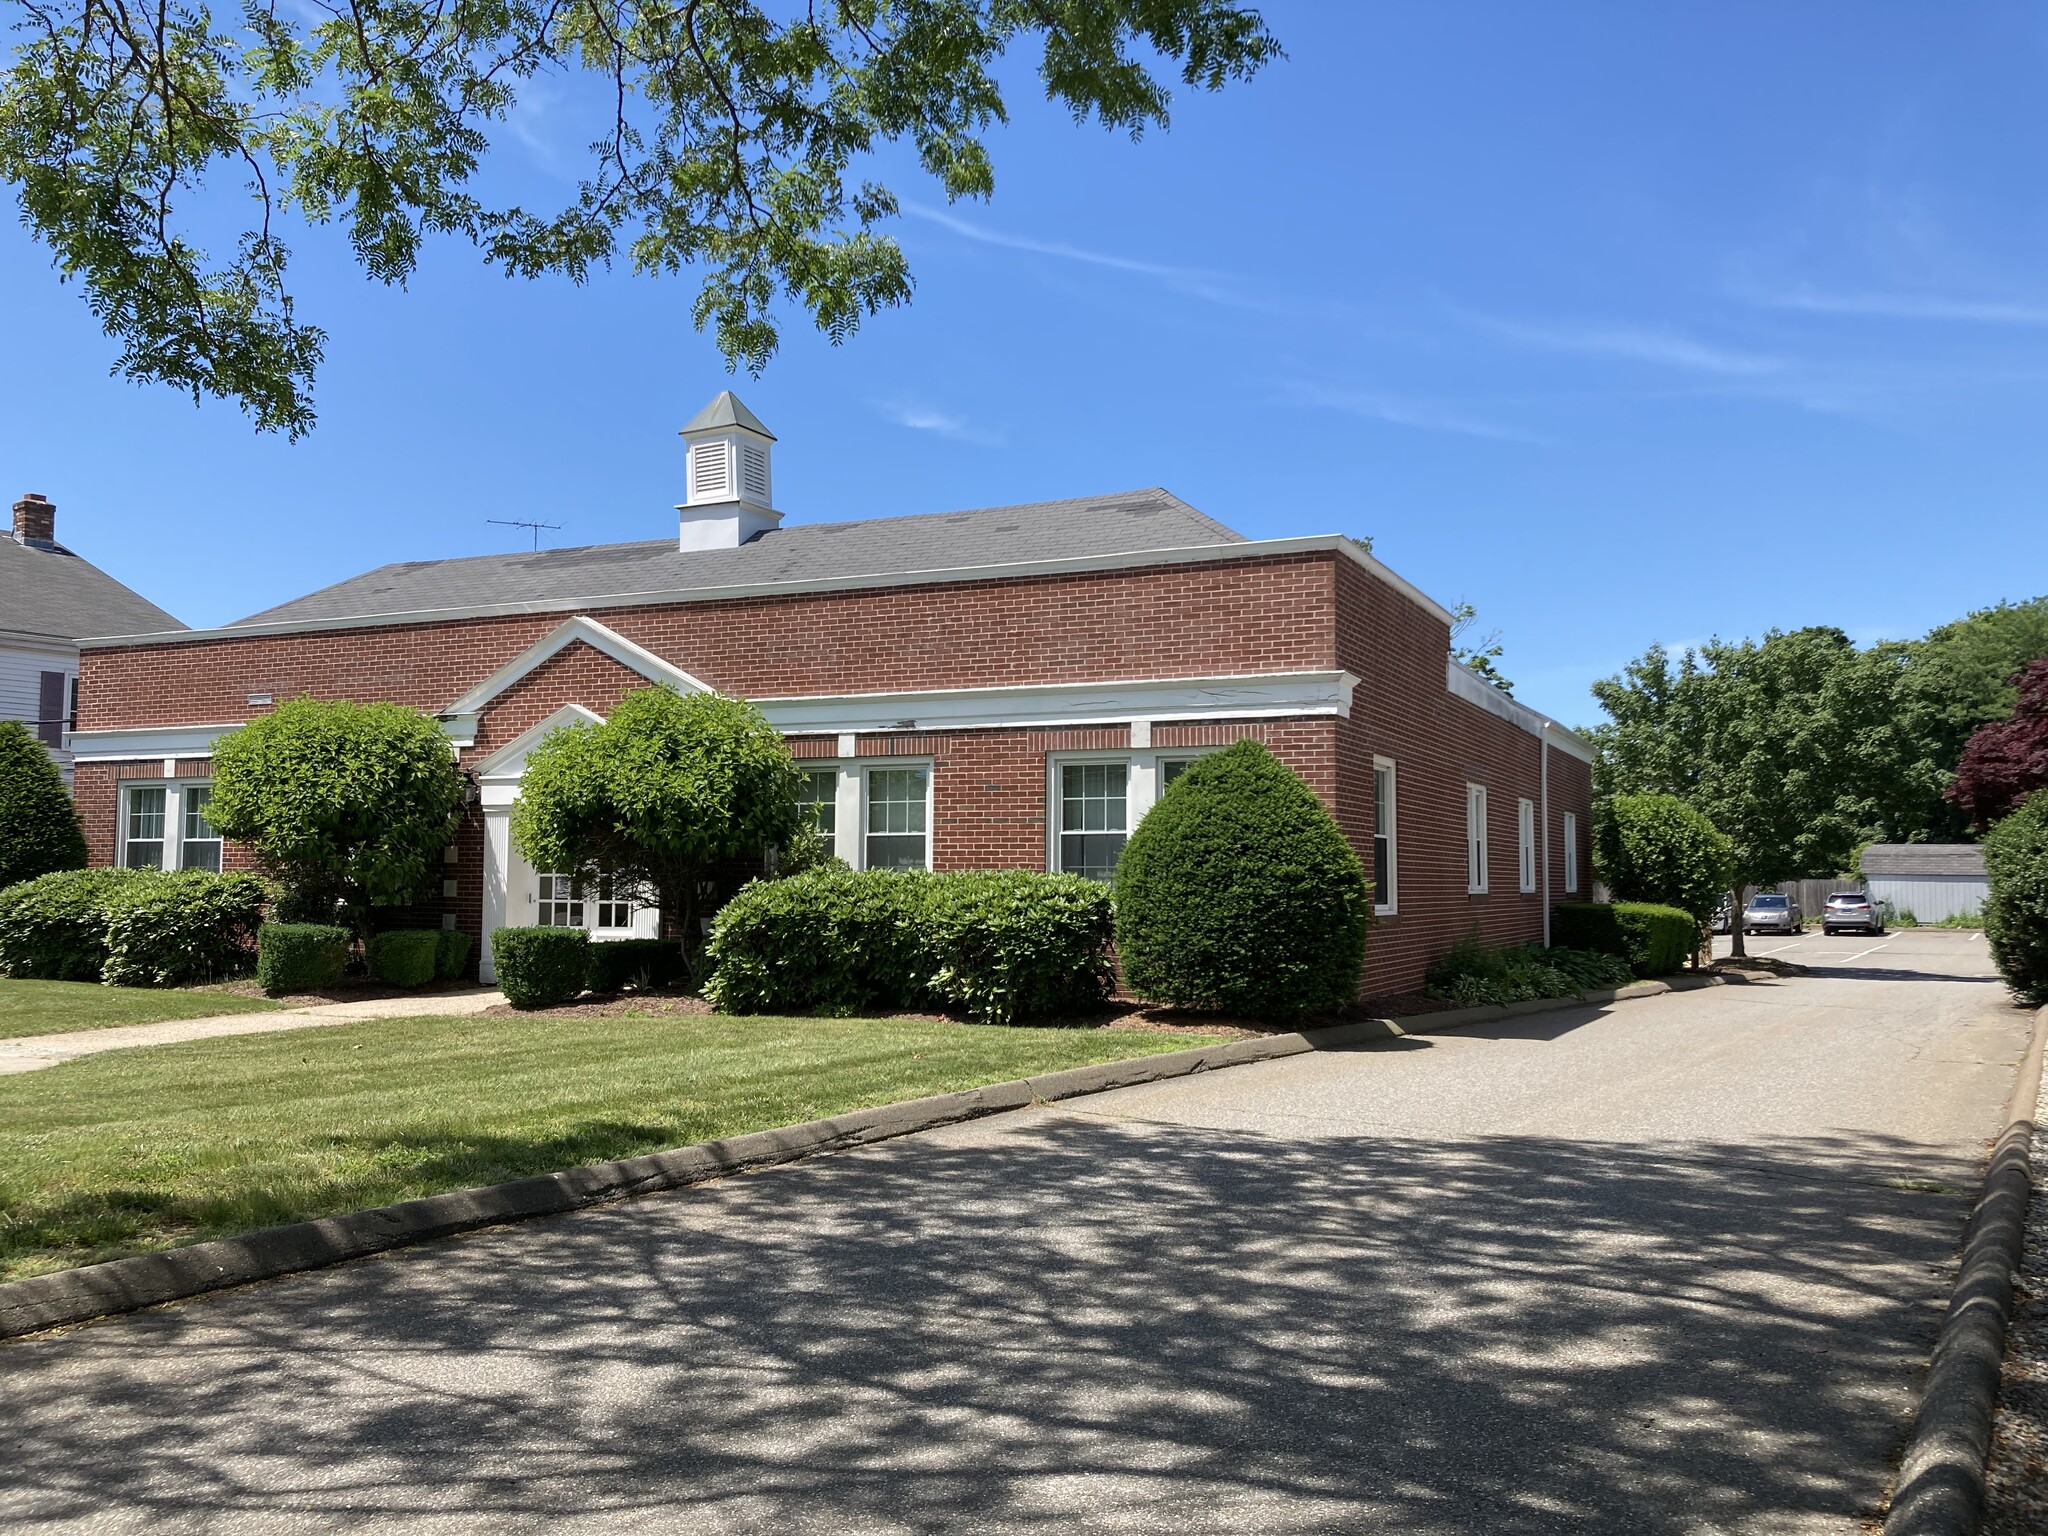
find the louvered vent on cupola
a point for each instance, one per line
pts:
(730, 487)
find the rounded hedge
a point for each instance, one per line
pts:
(1238, 893)
(2016, 912)
(403, 957)
(300, 957)
(539, 967)
(38, 824)
(1656, 848)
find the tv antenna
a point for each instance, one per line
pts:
(511, 522)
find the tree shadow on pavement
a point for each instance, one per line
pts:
(1054, 1323)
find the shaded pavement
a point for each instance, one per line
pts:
(1671, 1267)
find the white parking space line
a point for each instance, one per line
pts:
(1781, 948)
(1870, 951)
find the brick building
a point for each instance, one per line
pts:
(1006, 687)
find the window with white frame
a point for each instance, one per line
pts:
(163, 824)
(898, 819)
(1475, 838)
(819, 796)
(142, 845)
(1571, 852)
(1171, 768)
(1525, 842)
(1386, 895)
(560, 905)
(200, 847)
(617, 901)
(1094, 817)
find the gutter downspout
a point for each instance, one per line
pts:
(1544, 792)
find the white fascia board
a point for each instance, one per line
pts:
(1245, 549)
(148, 741)
(1260, 695)
(1464, 683)
(499, 774)
(636, 658)
(49, 645)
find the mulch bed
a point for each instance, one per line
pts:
(2016, 1482)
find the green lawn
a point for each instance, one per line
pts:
(52, 1007)
(146, 1149)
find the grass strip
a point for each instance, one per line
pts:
(58, 1007)
(134, 1151)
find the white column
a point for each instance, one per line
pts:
(498, 892)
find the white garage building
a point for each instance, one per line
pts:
(1929, 880)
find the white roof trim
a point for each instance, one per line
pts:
(591, 633)
(1193, 555)
(509, 761)
(1462, 682)
(148, 741)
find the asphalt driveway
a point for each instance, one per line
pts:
(1671, 1268)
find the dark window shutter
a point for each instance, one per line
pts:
(50, 710)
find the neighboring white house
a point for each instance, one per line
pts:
(50, 599)
(1929, 880)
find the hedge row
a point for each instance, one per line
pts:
(1654, 940)
(2016, 914)
(1474, 973)
(1000, 945)
(130, 927)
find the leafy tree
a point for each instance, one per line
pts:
(1958, 679)
(39, 831)
(733, 131)
(1238, 892)
(2016, 912)
(1794, 747)
(347, 804)
(1479, 652)
(1656, 848)
(666, 792)
(2007, 761)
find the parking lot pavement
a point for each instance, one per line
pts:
(1958, 952)
(1670, 1266)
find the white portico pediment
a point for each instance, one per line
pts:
(460, 717)
(499, 774)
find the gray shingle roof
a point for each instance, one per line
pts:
(45, 589)
(1883, 859)
(1129, 523)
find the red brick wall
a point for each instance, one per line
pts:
(1275, 613)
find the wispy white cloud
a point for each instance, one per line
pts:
(1635, 343)
(1196, 282)
(1406, 411)
(1904, 306)
(923, 418)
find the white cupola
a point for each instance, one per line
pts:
(728, 500)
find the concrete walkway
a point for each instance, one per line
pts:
(1670, 1268)
(33, 1052)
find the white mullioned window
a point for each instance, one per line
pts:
(1094, 817)
(897, 814)
(616, 900)
(1385, 853)
(163, 825)
(819, 797)
(1475, 839)
(1525, 842)
(1571, 852)
(560, 906)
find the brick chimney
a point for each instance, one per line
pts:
(35, 517)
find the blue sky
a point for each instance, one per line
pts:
(1626, 323)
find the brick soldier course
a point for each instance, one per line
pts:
(988, 650)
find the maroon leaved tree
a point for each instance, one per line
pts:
(2007, 760)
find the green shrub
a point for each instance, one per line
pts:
(55, 928)
(403, 957)
(300, 957)
(645, 965)
(1657, 848)
(1474, 973)
(39, 830)
(451, 955)
(539, 967)
(1010, 944)
(828, 940)
(999, 945)
(1238, 892)
(175, 929)
(2016, 914)
(1655, 940)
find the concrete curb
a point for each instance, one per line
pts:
(150, 1279)
(1941, 1481)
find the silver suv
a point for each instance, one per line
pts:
(1851, 909)
(1773, 912)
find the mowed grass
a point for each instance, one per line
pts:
(57, 1007)
(145, 1149)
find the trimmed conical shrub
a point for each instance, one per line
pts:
(38, 826)
(1238, 893)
